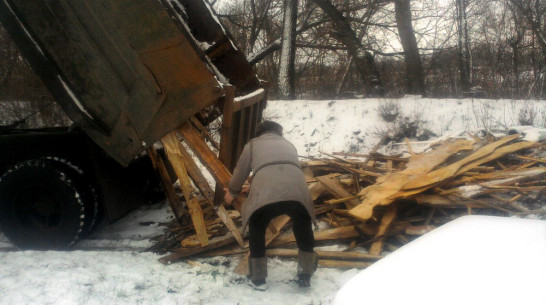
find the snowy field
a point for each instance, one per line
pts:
(110, 267)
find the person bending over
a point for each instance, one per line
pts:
(278, 187)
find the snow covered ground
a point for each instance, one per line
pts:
(131, 277)
(357, 125)
(110, 267)
(471, 260)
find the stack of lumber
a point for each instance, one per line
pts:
(367, 203)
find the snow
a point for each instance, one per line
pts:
(250, 95)
(471, 260)
(110, 267)
(128, 277)
(74, 97)
(356, 125)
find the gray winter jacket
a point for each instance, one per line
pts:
(277, 175)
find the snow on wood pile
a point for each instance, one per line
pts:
(370, 202)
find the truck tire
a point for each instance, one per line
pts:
(88, 191)
(41, 206)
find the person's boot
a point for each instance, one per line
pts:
(307, 264)
(257, 267)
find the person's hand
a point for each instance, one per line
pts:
(246, 188)
(228, 198)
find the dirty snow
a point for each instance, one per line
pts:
(110, 267)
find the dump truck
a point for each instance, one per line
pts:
(126, 73)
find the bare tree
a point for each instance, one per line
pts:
(415, 78)
(535, 12)
(465, 60)
(288, 51)
(364, 60)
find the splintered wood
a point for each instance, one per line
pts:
(364, 203)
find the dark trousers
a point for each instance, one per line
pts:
(260, 219)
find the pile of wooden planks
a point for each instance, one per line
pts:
(365, 203)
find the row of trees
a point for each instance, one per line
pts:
(343, 48)
(327, 48)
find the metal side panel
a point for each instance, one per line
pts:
(208, 30)
(125, 64)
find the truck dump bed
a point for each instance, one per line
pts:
(128, 71)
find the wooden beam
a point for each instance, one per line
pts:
(419, 230)
(209, 159)
(327, 263)
(329, 234)
(195, 173)
(193, 138)
(387, 220)
(317, 190)
(325, 254)
(172, 198)
(242, 102)
(171, 144)
(386, 190)
(181, 253)
(341, 200)
(226, 131)
(337, 190)
(183, 157)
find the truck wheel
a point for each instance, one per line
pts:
(89, 196)
(41, 206)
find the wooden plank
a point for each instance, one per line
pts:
(198, 221)
(255, 97)
(241, 133)
(317, 190)
(382, 192)
(372, 156)
(204, 132)
(224, 252)
(325, 254)
(435, 200)
(308, 173)
(225, 152)
(209, 159)
(408, 144)
(327, 263)
(506, 173)
(195, 173)
(236, 121)
(452, 169)
(386, 222)
(419, 230)
(185, 161)
(173, 153)
(181, 253)
(226, 131)
(337, 190)
(252, 122)
(532, 159)
(341, 200)
(329, 234)
(275, 227)
(172, 198)
(226, 219)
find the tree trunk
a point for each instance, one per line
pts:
(464, 50)
(364, 60)
(288, 51)
(414, 68)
